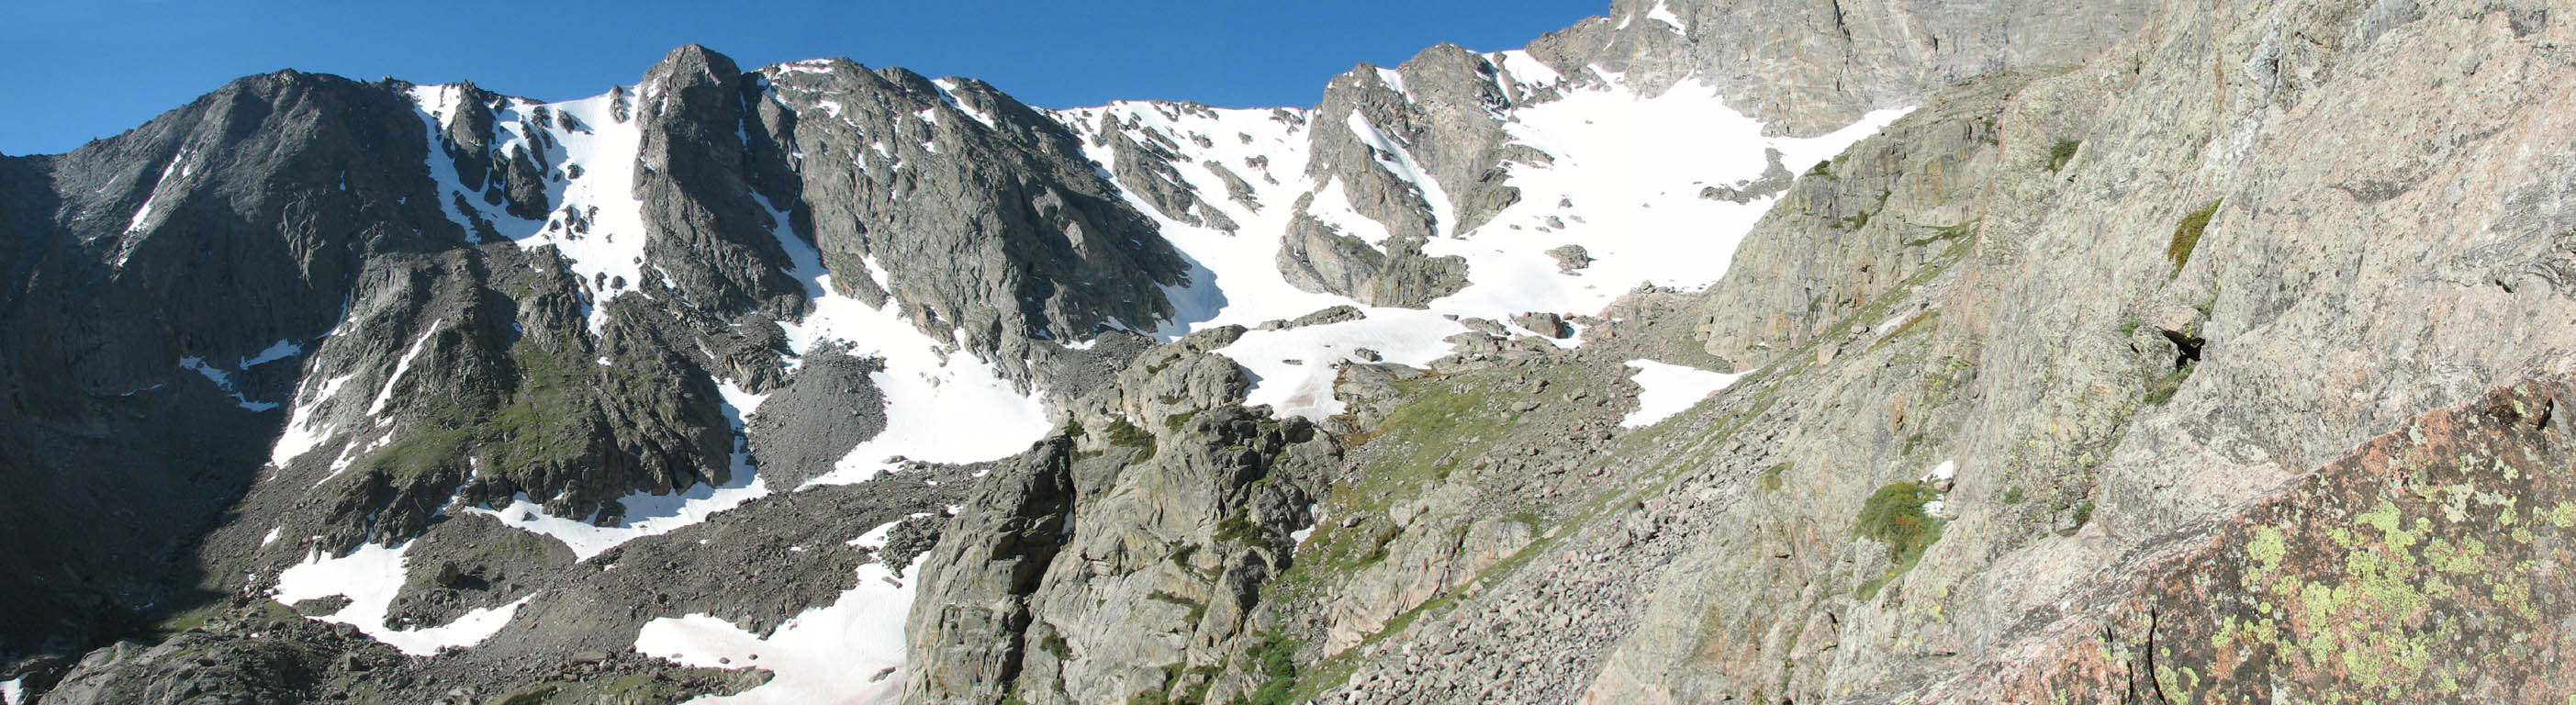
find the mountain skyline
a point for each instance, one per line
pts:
(1056, 55)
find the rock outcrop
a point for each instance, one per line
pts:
(983, 214)
(1126, 559)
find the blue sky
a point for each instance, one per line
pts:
(76, 70)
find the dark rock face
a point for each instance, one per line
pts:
(1445, 110)
(214, 232)
(983, 214)
(708, 232)
(1003, 544)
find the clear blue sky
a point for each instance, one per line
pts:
(74, 70)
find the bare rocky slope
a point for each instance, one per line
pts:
(2162, 352)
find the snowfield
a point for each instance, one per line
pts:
(849, 652)
(1623, 182)
(942, 404)
(370, 577)
(1670, 389)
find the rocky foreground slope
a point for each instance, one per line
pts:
(1845, 352)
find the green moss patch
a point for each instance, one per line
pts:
(1894, 516)
(2164, 387)
(1127, 434)
(2186, 235)
(2061, 153)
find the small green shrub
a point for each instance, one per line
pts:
(1771, 477)
(1236, 529)
(2013, 496)
(421, 454)
(1894, 516)
(1121, 432)
(2163, 390)
(1196, 608)
(2061, 153)
(533, 697)
(2187, 235)
(1276, 657)
(1945, 233)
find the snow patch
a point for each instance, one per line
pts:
(402, 366)
(647, 514)
(1631, 169)
(371, 577)
(1663, 12)
(1667, 389)
(143, 215)
(282, 350)
(851, 651)
(264, 541)
(1312, 510)
(814, 66)
(597, 222)
(1943, 471)
(223, 381)
(874, 539)
(1305, 387)
(1524, 69)
(947, 95)
(943, 405)
(301, 434)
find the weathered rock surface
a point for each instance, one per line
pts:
(1814, 67)
(1124, 559)
(1317, 257)
(2410, 570)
